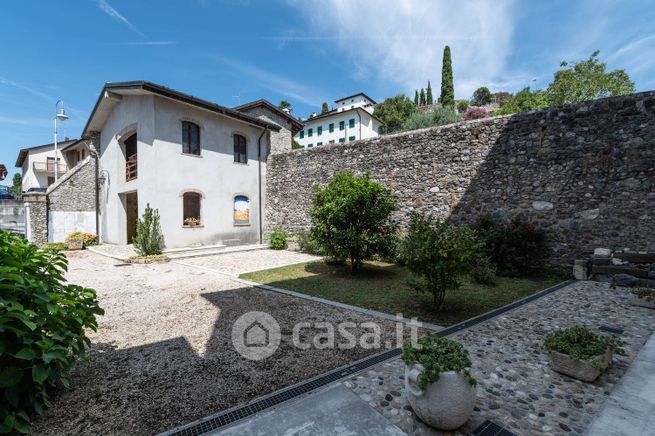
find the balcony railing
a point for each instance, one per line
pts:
(130, 168)
(49, 167)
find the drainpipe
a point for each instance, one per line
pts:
(259, 196)
(360, 123)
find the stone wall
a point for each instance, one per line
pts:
(37, 217)
(75, 191)
(584, 172)
(280, 141)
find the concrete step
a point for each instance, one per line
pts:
(213, 250)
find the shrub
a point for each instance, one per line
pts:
(278, 239)
(307, 244)
(437, 355)
(515, 248)
(149, 239)
(462, 106)
(438, 254)
(54, 247)
(476, 113)
(43, 322)
(484, 272)
(351, 218)
(89, 239)
(580, 343)
(437, 116)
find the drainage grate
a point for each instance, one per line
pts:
(608, 329)
(230, 416)
(490, 428)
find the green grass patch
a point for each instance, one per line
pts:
(383, 287)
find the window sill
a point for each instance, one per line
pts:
(191, 154)
(240, 163)
(242, 225)
(192, 227)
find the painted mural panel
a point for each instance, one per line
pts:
(241, 210)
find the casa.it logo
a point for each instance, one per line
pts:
(256, 335)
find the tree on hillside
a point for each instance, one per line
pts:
(481, 97)
(421, 99)
(416, 97)
(525, 100)
(428, 95)
(393, 112)
(587, 80)
(284, 105)
(447, 87)
(501, 97)
(17, 186)
(324, 108)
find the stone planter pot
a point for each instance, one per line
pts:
(585, 370)
(446, 404)
(642, 302)
(75, 244)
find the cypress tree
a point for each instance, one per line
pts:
(422, 97)
(416, 97)
(428, 93)
(447, 88)
(324, 108)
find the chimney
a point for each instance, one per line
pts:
(313, 114)
(286, 110)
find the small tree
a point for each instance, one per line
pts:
(149, 239)
(416, 97)
(475, 113)
(428, 95)
(17, 186)
(324, 108)
(285, 105)
(481, 97)
(438, 254)
(422, 97)
(393, 112)
(462, 106)
(351, 219)
(447, 87)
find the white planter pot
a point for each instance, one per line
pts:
(585, 370)
(446, 404)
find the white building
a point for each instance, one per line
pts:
(38, 163)
(203, 166)
(351, 120)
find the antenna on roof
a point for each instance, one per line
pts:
(238, 97)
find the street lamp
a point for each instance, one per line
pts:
(60, 114)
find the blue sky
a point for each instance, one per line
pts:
(305, 51)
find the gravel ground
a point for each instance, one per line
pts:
(248, 261)
(163, 356)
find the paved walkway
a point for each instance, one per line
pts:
(516, 388)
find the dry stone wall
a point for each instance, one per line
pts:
(583, 172)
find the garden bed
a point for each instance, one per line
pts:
(383, 287)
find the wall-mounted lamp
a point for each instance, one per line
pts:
(104, 177)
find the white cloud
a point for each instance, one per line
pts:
(401, 41)
(109, 10)
(8, 82)
(278, 84)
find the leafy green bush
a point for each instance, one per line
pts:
(438, 254)
(437, 116)
(351, 218)
(308, 244)
(149, 238)
(514, 248)
(88, 239)
(277, 239)
(43, 322)
(484, 272)
(54, 247)
(437, 355)
(580, 343)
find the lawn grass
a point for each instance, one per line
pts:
(383, 287)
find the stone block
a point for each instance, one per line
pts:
(581, 269)
(622, 269)
(625, 279)
(602, 252)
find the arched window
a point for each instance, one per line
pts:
(190, 138)
(191, 206)
(240, 149)
(241, 210)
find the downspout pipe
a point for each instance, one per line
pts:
(259, 196)
(360, 123)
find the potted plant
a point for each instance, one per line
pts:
(75, 244)
(439, 385)
(580, 353)
(644, 297)
(191, 222)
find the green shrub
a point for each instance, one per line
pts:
(43, 322)
(437, 355)
(437, 116)
(514, 248)
(308, 244)
(88, 239)
(351, 219)
(54, 247)
(484, 272)
(438, 254)
(149, 239)
(580, 343)
(277, 240)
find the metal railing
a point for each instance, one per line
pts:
(49, 167)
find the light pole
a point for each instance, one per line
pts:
(61, 115)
